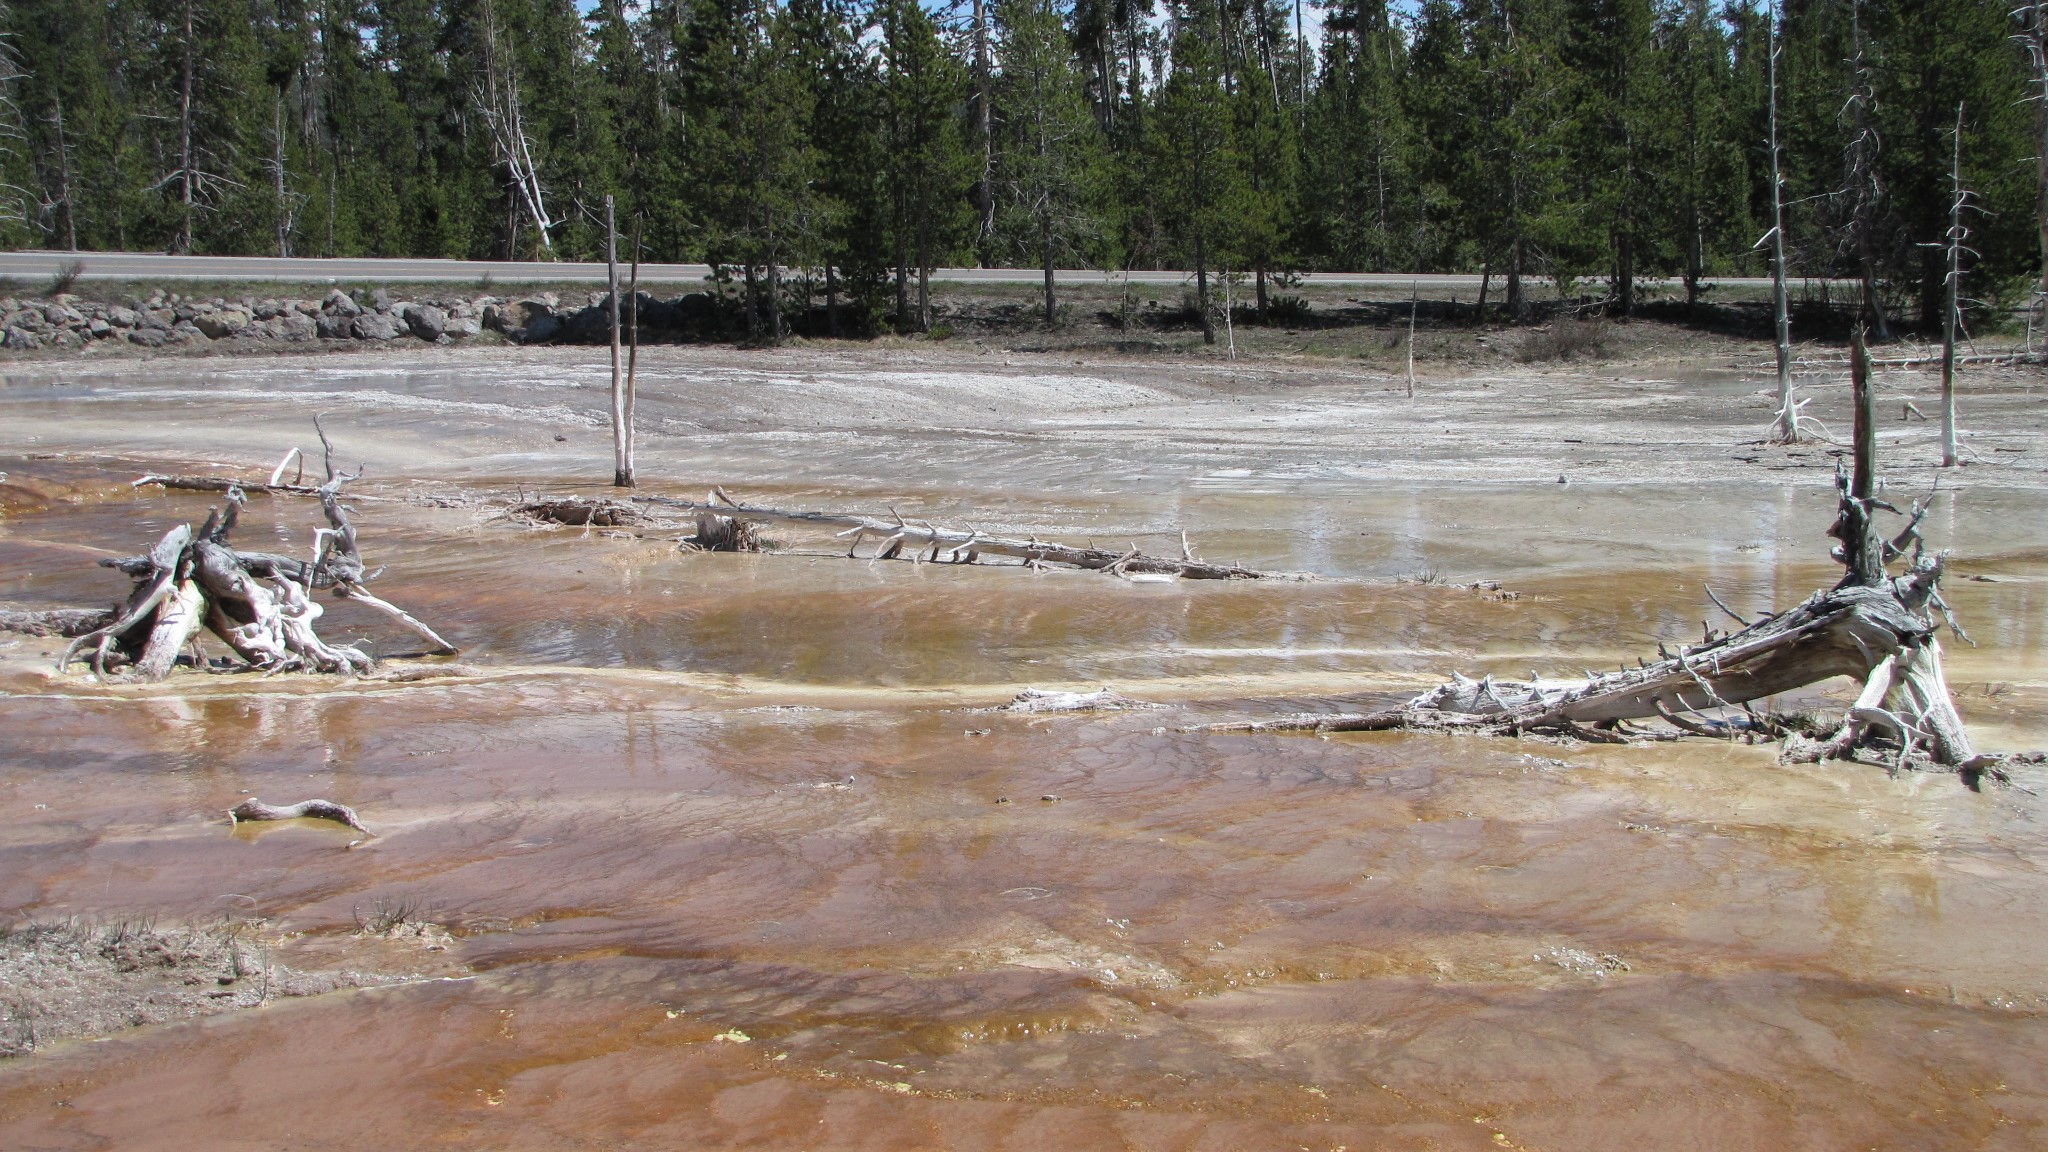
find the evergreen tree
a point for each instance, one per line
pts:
(1708, 183)
(1049, 165)
(929, 169)
(1361, 197)
(1194, 162)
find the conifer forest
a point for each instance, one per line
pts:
(848, 147)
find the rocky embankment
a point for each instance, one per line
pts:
(169, 321)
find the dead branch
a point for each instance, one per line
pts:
(253, 809)
(576, 511)
(925, 542)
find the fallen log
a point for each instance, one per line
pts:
(900, 539)
(67, 622)
(1874, 627)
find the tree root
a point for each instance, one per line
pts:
(260, 605)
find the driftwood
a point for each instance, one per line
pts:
(900, 539)
(576, 511)
(1874, 627)
(259, 604)
(253, 809)
(65, 622)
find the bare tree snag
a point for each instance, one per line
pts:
(1873, 627)
(925, 542)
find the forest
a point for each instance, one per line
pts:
(842, 149)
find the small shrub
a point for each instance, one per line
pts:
(1565, 340)
(1287, 310)
(67, 277)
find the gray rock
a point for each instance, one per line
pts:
(426, 321)
(374, 326)
(19, 339)
(222, 324)
(58, 315)
(121, 317)
(339, 304)
(297, 327)
(527, 321)
(100, 328)
(185, 333)
(157, 318)
(463, 327)
(333, 327)
(148, 337)
(545, 327)
(28, 320)
(65, 338)
(267, 309)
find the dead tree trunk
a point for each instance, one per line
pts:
(1786, 429)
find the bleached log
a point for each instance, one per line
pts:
(899, 537)
(178, 619)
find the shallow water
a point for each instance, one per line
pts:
(755, 797)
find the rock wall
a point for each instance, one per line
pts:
(68, 322)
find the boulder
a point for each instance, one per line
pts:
(186, 333)
(426, 321)
(333, 327)
(19, 339)
(121, 317)
(527, 321)
(296, 327)
(28, 320)
(463, 327)
(338, 303)
(157, 318)
(148, 337)
(374, 326)
(222, 324)
(592, 325)
(100, 328)
(267, 309)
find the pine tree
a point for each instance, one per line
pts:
(1049, 166)
(1707, 186)
(1194, 162)
(929, 168)
(1360, 171)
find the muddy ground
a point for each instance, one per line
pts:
(732, 850)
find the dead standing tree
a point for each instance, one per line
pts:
(1872, 626)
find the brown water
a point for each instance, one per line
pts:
(753, 797)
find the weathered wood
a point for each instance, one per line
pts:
(253, 809)
(922, 540)
(66, 622)
(259, 604)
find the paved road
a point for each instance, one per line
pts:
(156, 266)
